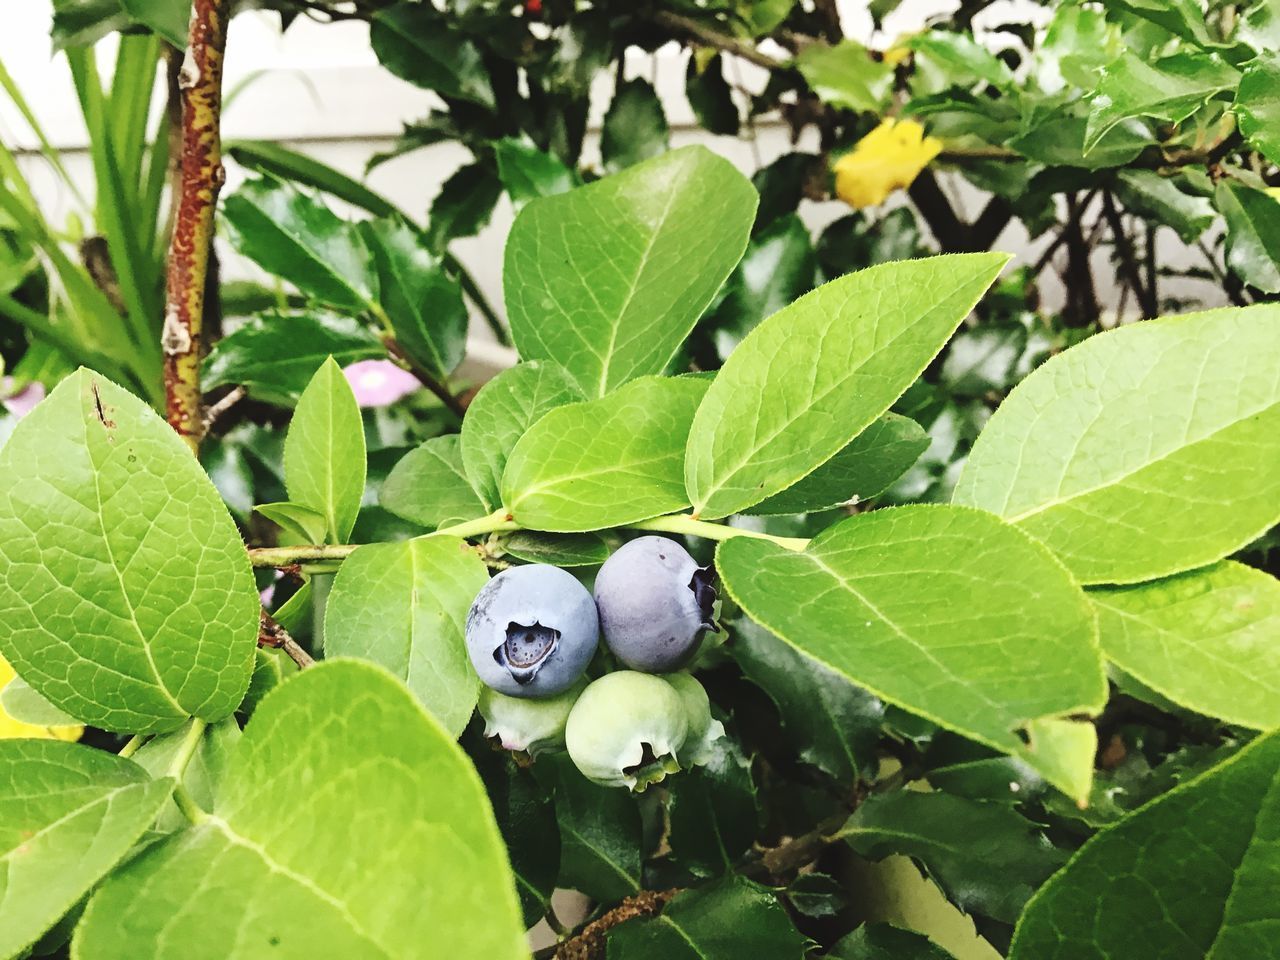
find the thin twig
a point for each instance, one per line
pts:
(200, 81)
(218, 409)
(443, 394)
(713, 38)
(590, 943)
(1124, 250)
(271, 634)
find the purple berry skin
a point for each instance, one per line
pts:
(532, 631)
(655, 604)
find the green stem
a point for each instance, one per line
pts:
(130, 748)
(494, 522)
(679, 523)
(187, 804)
(178, 766)
(287, 556)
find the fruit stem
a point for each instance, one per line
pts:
(683, 524)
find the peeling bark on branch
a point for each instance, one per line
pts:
(201, 177)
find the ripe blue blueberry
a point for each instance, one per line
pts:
(627, 729)
(532, 631)
(655, 603)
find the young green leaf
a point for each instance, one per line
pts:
(846, 75)
(872, 460)
(1206, 640)
(275, 355)
(423, 303)
(324, 453)
(68, 814)
(126, 596)
(404, 605)
(1059, 458)
(501, 412)
(22, 704)
(819, 372)
(390, 842)
(1203, 857)
(298, 238)
(608, 280)
(428, 486)
(732, 917)
(988, 858)
(946, 612)
(606, 462)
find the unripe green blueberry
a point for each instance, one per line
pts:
(704, 730)
(627, 730)
(534, 726)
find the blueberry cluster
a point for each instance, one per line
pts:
(533, 630)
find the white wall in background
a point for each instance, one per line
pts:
(319, 88)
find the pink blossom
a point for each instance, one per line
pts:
(25, 400)
(379, 383)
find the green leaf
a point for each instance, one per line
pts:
(709, 95)
(846, 76)
(68, 814)
(832, 724)
(24, 705)
(423, 302)
(819, 372)
(729, 919)
(871, 461)
(270, 669)
(428, 486)
(404, 605)
(419, 44)
(168, 18)
(204, 774)
(880, 941)
(777, 268)
(527, 819)
(606, 462)
(962, 58)
(1258, 105)
(608, 280)
(1144, 451)
(324, 454)
(1184, 18)
(1158, 198)
(275, 355)
(817, 895)
(1170, 89)
(599, 833)
(1205, 640)
(126, 596)
(986, 857)
(947, 613)
(500, 414)
(463, 206)
(635, 128)
(1253, 234)
(1191, 874)
(1056, 138)
(528, 173)
(389, 844)
(298, 238)
(712, 811)
(83, 22)
(308, 525)
(560, 550)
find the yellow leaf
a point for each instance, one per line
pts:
(888, 158)
(11, 729)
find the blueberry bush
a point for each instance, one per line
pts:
(835, 621)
